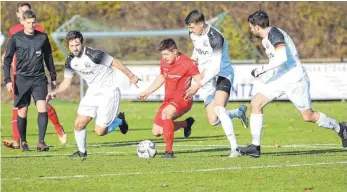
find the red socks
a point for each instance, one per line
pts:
(168, 134)
(52, 115)
(15, 132)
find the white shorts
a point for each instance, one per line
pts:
(102, 105)
(209, 89)
(298, 92)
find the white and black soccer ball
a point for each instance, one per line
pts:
(146, 149)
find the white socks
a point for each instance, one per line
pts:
(327, 122)
(81, 137)
(256, 125)
(228, 126)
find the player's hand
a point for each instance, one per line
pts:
(134, 80)
(192, 91)
(9, 87)
(142, 96)
(257, 72)
(50, 96)
(53, 85)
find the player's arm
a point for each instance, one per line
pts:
(157, 83)
(280, 55)
(214, 64)
(48, 57)
(11, 49)
(197, 77)
(65, 84)
(133, 78)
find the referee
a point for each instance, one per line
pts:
(31, 48)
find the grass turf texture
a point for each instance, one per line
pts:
(297, 156)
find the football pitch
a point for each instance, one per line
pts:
(296, 156)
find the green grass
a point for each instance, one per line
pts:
(319, 164)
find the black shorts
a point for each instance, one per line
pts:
(223, 84)
(25, 87)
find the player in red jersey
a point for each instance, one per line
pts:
(176, 71)
(14, 142)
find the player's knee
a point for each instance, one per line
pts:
(256, 105)
(213, 120)
(307, 116)
(100, 131)
(219, 110)
(156, 133)
(166, 115)
(79, 125)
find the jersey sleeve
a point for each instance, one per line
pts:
(10, 50)
(48, 57)
(216, 41)
(99, 57)
(69, 71)
(276, 38)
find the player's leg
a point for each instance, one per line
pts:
(268, 93)
(22, 101)
(39, 93)
(53, 117)
(168, 113)
(86, 112)
(15, 133)
(224, 84)
(81, 134)
(107, 119)
(299, 94)
(22, 126)
(217, 112)
(157, 128)
(220, 101)
(14, 143)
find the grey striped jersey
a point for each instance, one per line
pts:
(94, 66)
(211, 50)
(292, 70)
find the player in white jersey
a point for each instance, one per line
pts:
(211, 54)
(102, 97)
(289, 78)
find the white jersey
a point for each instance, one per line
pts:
(211, 50)
(292, 70)
(94, 67)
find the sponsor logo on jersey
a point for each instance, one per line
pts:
(87, 72)
(201, 52)
(38, 53)
(87, 64)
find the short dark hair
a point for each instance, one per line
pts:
(71, 35)
(259, 18)
(29, 14)
(19, 5)
(166, 44)
(195, 16)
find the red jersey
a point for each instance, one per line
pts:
(178, 76)
(13, 30)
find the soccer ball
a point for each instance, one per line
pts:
(146, 149)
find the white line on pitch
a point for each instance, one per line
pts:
(179, 171)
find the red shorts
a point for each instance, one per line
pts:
(182, 106)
